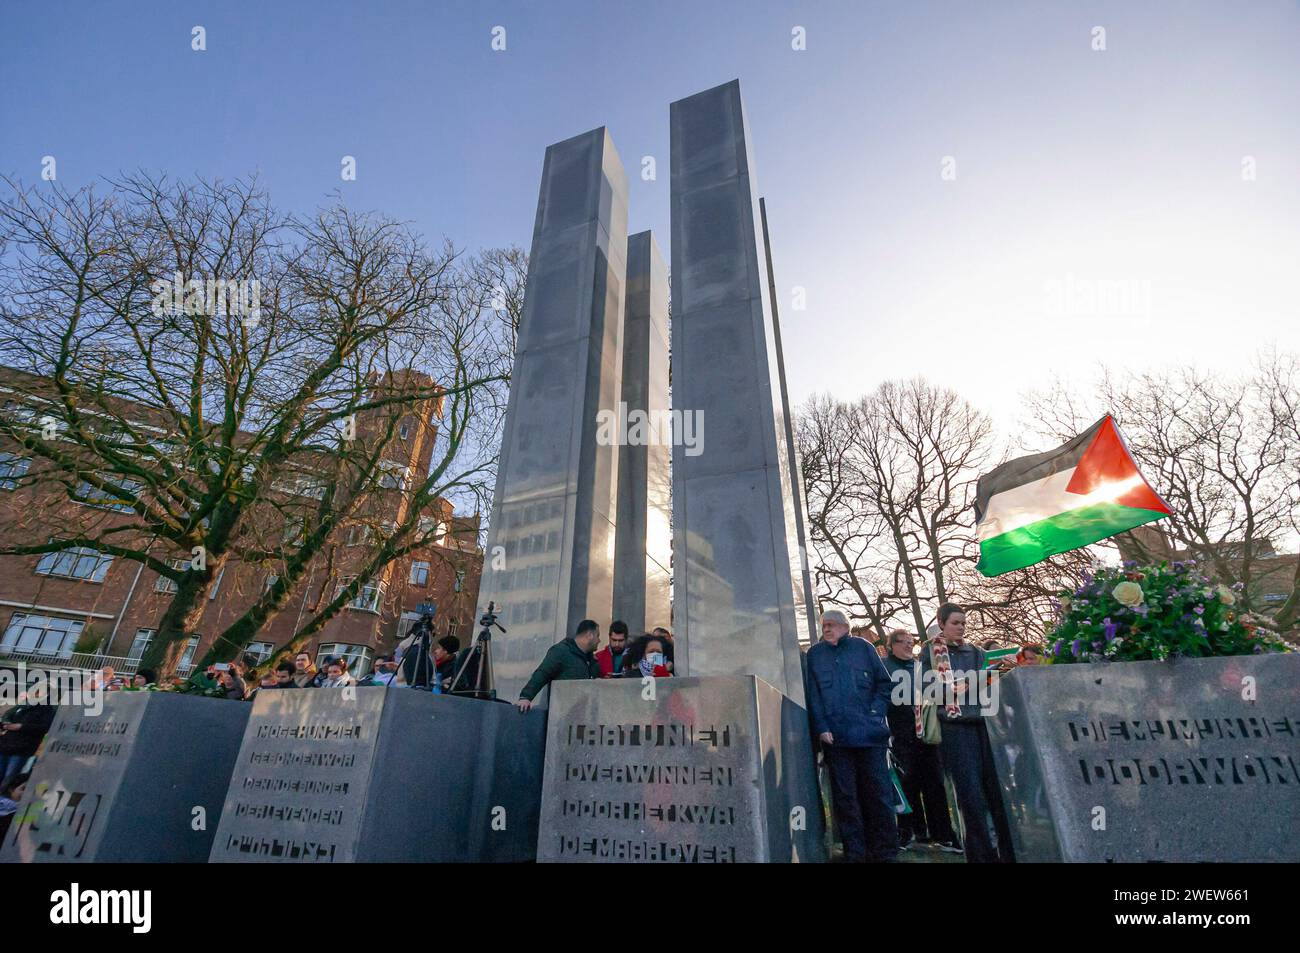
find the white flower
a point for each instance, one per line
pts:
(1128, 594)
(1227, 596)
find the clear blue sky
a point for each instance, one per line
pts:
(1073, 165)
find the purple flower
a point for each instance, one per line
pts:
(1141, 608)
(1111, 628)
(1074, 647)
(1199, 610)
(1056, 649)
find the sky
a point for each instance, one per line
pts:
(980, 193)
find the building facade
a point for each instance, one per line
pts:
(85, 609)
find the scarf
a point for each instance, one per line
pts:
(942, 665)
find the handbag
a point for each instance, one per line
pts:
(901, 805)
(930, 733)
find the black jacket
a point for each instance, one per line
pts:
(902, 714)
(848, 693)
(563, 660)
(35, 721)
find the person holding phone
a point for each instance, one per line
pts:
(647, 658)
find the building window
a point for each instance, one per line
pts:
(392, 475)
(271, 580)
(163, 584)
(420, 573)
(369, 598)
(117, 496)
(358, 657)
(141, 642)
(404, 430)
(78, 562)
(259, 650)
(41, 634)
(313, 487)
(12, 469)
(216, 584)
(460, 579)
(187, 657)
(358, 534)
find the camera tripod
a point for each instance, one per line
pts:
(480, 652)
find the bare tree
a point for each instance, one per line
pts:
(188, 367)
(1219, 450)
(890, 482)
(844, 535)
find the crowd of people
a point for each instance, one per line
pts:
(868, 712)
(237, 679)
(865, 703)
(648, 656)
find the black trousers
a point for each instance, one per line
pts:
(968, 757)
(921, 771)
(863, 799)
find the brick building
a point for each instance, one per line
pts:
(79, 608)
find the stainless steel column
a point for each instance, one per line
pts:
(550, 555)
(735, 557)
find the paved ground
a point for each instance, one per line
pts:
(913, 855)
(921, 854)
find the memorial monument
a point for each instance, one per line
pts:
(143, 780)
(643, 547)
(549, 561)
(334, 775)
(715, 765)
(734, 502)
(1175, 761)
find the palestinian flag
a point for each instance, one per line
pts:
(1048, 503)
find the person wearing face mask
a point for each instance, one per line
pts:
(967, 754)
(646, 658)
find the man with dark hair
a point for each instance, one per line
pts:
(611, 656)
(573, 658)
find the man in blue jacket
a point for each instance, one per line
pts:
(848, 703)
